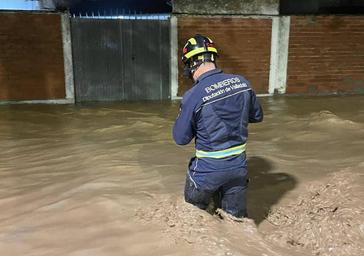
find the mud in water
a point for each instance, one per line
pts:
(107, 179)
(328, 219)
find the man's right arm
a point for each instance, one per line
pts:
(184, 127)
(255, 111)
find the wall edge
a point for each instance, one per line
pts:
(174, 57)
(68, 58)
(56, 101)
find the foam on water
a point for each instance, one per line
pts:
(328, 120)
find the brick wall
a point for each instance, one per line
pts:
(243, 44)
(31, 56)
(326, 55)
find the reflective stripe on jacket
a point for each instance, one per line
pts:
(221, 153)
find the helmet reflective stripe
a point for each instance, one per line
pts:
(192, 41)
(199, 50)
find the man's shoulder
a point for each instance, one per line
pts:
(240, 77)
(213, 87)
(190, 95)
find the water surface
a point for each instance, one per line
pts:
(107, 179)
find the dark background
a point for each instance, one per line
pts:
(286, 7)
(165, 6)
(108, 6)
(139, 6)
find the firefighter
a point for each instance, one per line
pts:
(216, 112)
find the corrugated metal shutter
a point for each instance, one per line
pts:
(118, 60)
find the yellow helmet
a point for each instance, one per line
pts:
(198, 45)
(197, 50)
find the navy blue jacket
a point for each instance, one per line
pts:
(216, 112)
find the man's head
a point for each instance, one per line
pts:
(199, 55)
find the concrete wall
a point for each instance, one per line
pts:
(244, 46)
(312, 55)
(31, 57)
(269, 7)
(326, 55)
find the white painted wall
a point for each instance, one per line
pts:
(174, 59)
(279, 54)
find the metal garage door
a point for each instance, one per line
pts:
(116, 59)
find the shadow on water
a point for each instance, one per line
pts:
(265, 188)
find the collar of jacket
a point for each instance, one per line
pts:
(207, 74)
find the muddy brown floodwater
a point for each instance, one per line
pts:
(107, 179)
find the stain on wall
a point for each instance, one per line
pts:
(243, 43)
(326, 55)
(31, 56)
(226, 7)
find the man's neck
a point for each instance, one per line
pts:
(203, 68)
